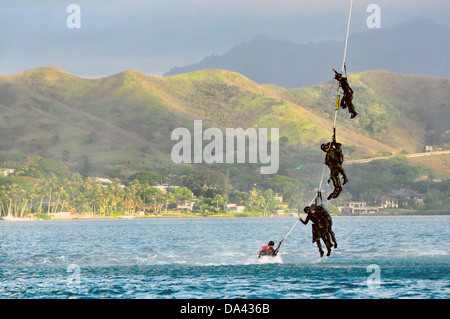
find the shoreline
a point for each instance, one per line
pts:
(129, 217)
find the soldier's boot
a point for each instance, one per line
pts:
(334, 242)
(334, 176)
(328, 244)
(331, 195)
(337, 192)
(351, 108)
(345, 180)
(333, 238)
(320, 247)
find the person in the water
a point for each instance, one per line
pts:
(268, 250)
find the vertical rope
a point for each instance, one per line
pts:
(343, 60)
(335, 116)
(320, 185)
(334, 125)
(337, 103)
(346, 38)
(310, 203)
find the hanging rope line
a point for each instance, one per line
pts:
(320, 185)
(319, 194)
(346, 38)
(344, 68)
(335, 116)
(337, 100)
(282, 241)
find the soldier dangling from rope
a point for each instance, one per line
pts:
(348, 94)
(319, 228)
(334, 160)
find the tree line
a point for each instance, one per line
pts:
(41, 187)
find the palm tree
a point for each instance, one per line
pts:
(5, 199)
(270, 201)
(218, 199)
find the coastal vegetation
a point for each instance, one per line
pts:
(122, 124)
(103, 146)
(41, 188)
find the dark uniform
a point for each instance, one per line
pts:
(348, 94)
(334, 160)
(318, 230)
(269, 251)
(323, 214)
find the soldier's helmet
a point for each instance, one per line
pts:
(338, 145)
(324, 147)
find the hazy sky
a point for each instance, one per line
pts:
(152, 36)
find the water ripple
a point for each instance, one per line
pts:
(216, 258)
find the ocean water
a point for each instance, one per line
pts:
(376, 257)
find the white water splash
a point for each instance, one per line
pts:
(270, 260)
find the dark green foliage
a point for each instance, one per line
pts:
(371, 180)
(204, 182)
(147, 177)
(85, 167)
(39, 167)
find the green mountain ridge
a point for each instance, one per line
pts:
(124, 121)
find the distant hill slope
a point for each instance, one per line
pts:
(416, 47)
(125, 121)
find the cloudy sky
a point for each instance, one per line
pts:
(152, 36)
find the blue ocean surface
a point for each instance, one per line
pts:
(377, 257)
